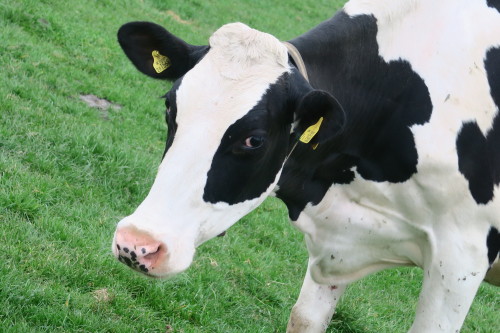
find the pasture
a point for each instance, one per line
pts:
(69, 172)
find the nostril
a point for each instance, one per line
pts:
(138, 249)
(151, 255)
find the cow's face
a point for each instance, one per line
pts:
(229, 116)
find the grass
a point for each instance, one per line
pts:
(69, 172)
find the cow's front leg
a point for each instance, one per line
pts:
(450, 283)
(314, 308)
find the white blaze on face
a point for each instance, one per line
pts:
(224, 86)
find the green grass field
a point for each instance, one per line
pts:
(69, 172)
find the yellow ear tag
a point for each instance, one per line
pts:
(311, 131)
(160, 62)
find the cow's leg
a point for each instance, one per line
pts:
(451, 280)
(314, 308)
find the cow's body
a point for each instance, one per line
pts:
(409, 178)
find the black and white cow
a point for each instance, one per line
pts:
(402, 169)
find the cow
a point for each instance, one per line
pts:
(379, 129)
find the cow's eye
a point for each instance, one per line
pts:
(254, 142)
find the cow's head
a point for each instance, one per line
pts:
(230, 114)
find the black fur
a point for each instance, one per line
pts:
(381, 101)
(493, 244)
(139, 39)
(473, 162)
(238, 173)
(479, 154)
(171, 114)
(494, 4)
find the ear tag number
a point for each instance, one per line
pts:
(160, 62)
(310, 132)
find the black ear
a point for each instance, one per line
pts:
(315, 105)
(156, 52)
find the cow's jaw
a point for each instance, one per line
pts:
(220, 90)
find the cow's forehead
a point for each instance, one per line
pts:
(241, 65)
(236, 49)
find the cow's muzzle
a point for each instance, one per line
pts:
(138, 250)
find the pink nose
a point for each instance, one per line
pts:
(138, 249)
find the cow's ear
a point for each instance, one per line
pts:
(319, 117)
(156, 52)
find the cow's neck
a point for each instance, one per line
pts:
(340, 55)
(381, 100)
